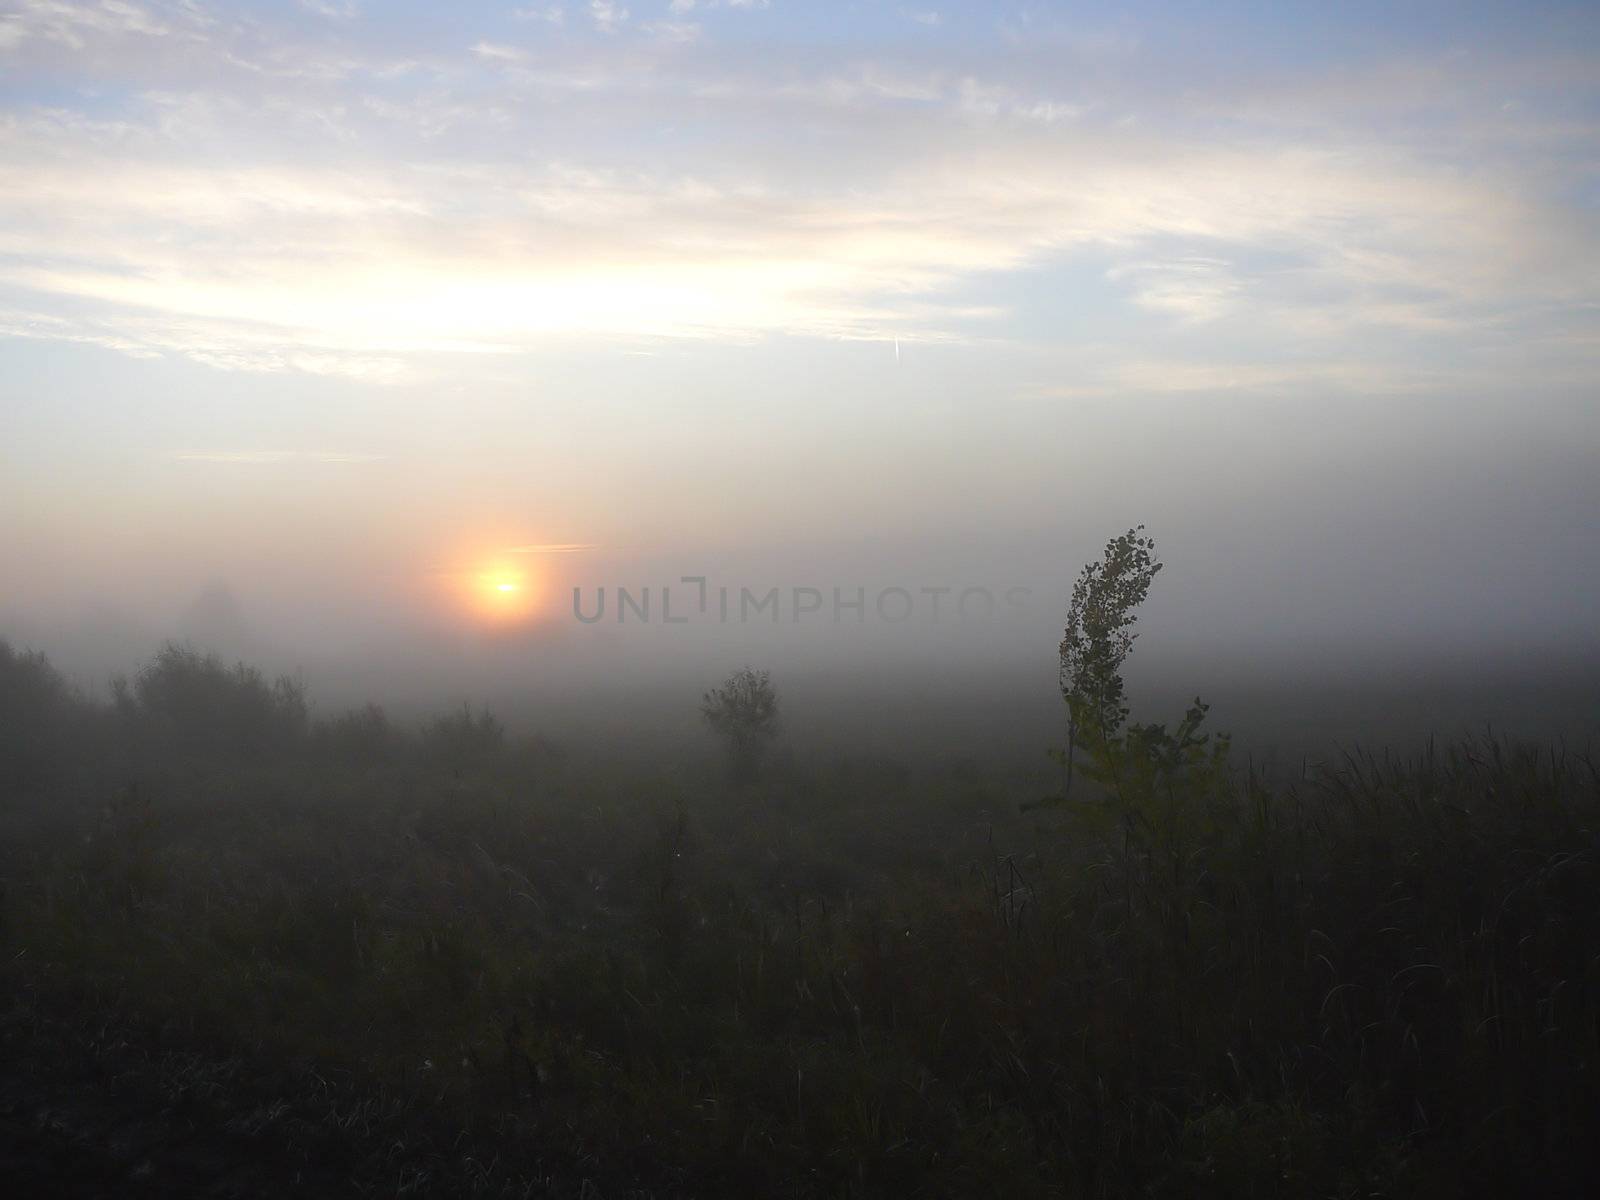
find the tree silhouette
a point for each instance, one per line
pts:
(1098, 640)
(744, 713)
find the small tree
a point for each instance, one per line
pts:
(744, 713)
(1143, 762)
(1098, 639)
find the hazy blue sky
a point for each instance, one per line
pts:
(342, 303)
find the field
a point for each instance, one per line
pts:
(259, 947)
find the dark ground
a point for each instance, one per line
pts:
(96, 1105)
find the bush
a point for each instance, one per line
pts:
(359, 735)
(35, 708)
(464, 740)
(192, 702)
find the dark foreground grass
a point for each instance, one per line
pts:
(536, 974)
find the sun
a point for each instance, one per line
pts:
(502, 594)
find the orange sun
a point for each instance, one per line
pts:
(502, 594)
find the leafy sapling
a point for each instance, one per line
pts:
(1097, 641)
(1141, 765)
(744, 713)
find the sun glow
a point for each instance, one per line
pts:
(502, 594)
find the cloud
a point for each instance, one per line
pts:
(72, 24)
(550, 14)
(608, 16)
(499, 53)
(378, 263)
(1192, 289)
(223, 345)
(1125, 375)
(358, 225)
(680, 7)
(271, 457)
(333, 10)
(677, 32)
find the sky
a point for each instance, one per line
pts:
(395, 322)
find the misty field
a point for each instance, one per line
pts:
(448, 960)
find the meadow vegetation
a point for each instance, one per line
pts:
(1182, 978)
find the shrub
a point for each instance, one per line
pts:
(744, 713)
(35, 708)
(465, 739)
(192, 701)
(359, 735)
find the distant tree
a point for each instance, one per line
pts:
(1098, 639)
(744, 713)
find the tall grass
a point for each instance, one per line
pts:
(1379, 978)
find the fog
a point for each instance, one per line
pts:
(1436, 556)
(736, 598)
(1375, 595)
(317, 330)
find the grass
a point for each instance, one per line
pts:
(1377, 979)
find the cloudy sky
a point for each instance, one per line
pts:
(343, 303)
